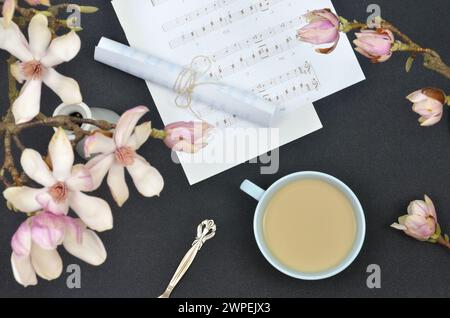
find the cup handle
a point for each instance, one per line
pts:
(252, 190)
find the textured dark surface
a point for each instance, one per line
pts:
(370, 140)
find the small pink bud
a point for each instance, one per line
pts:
(323, 28)
(429, 104)
(421, 220)
(187, 137)
(375, 44)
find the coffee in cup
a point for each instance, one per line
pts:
(308, 225)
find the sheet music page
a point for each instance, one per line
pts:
(252, 45)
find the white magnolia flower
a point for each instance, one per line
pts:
(63, 186)
(118, 153)
(37, 59)
(36, 241)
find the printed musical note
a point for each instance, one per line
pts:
(257, 38)
(223, 20)
(272, 41)
(196, 14)
(261, 53)
(304, 70)
(294, 91)
(215, 119)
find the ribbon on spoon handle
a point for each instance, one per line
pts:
(205, 231)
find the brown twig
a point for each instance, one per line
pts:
(441, 240)
(67, 122)
(18, 143)
(432, 59)
(8, 162)
(11, 131)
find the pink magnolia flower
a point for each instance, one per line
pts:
(63, 186)
(421, 220)
(9, 6)
(38, 57)
(375, 44)
(118, 153)
(429, 104)
(323, 28)
(35, 245)
(187, 136)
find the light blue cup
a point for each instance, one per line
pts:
(264, 197)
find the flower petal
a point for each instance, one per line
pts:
(48, 204)
(81, 179)
(127, 123)
(23, 198)
(47, 230)
(13, 41)
(88, 247)
(328, 50)
(417, 96)
(27, 105)
(65, 87)
(319, 35)
(418, 207)
(21, 240)
(140, 135)
(47, 263)
(23, 270)
(62, 49)
(39, 35)
(98, 167)
(398, 226)
(427, 107)
(61, 154)
(328, 15)
(419, 227)
(431, 208)
(9, 7)
(36, 168)
(146, 178)
(98, 143)
(362, 52)
(94, 212)
(117, 184)
(425, 122)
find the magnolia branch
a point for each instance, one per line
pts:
(11, 132)
(432, 59)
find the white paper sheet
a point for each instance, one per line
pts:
(253, 46)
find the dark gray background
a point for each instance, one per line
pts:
(370, 140)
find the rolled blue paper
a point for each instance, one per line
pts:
(241, 103)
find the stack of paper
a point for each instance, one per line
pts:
(253, 46)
